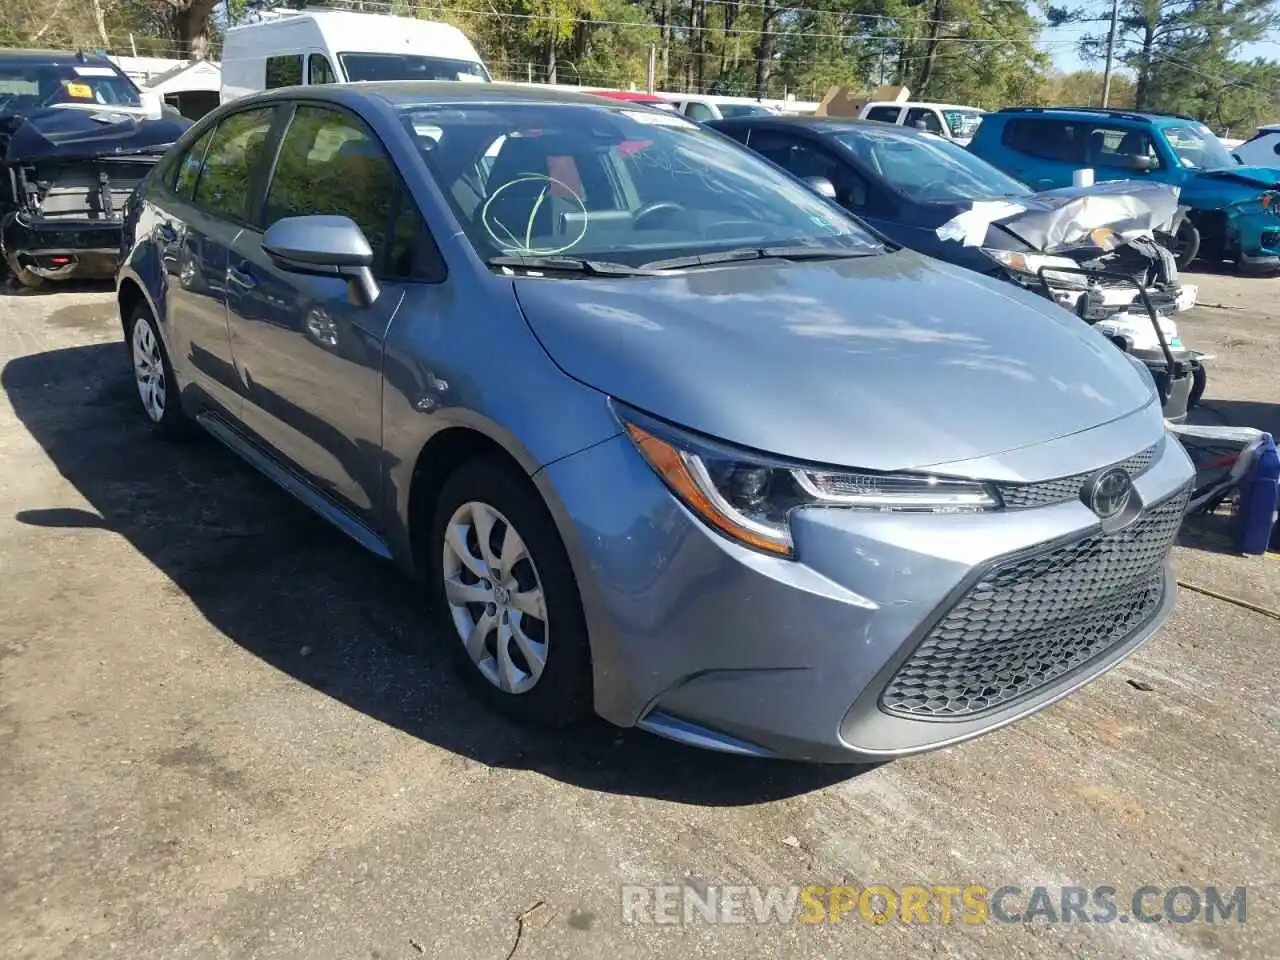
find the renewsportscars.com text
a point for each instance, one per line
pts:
(675, 904)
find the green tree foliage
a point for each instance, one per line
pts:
(1185, 55)
(1181, 55)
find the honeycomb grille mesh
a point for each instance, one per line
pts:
(1021, 495)
(1033, 619)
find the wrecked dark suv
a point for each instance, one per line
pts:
(75, 138)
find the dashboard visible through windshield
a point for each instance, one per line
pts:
(619, 184)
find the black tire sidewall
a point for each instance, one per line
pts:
(1189, 235)
(562, 694)
(1199, 379)
(173, 424)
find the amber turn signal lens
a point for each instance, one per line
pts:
(674, 469)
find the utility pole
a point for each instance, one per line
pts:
(651, 69)
(1111, 53)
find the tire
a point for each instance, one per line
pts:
(153, 376)
(25, 278)
(1199, 378)
(487, 493)
(1185, 244)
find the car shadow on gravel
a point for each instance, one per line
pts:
(286, 587)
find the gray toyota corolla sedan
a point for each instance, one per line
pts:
(663, 433)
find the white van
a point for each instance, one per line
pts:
(295, 47)
(945, 119)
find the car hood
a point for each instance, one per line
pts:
(1265, 177)
(54, 132)
(887, 362)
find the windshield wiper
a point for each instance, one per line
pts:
(758, 253)
(595, 268)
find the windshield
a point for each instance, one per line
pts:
(929, 168)
(1197, 147)
(963, 123)
(25, 86)
(742, 110)
(403, 66)
(614, 183)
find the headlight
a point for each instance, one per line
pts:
(1031, 264)
(749, 497)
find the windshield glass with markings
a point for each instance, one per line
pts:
(622, 184)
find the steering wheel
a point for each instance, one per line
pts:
(653, 209)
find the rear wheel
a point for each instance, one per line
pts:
(502, 583)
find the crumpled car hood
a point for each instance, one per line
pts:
(888, 362)
(1215, 189)
(1053, 220)
(53, 133)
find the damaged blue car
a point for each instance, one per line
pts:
(1233, 210)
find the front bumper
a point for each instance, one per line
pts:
(59, 247)
(699, 639)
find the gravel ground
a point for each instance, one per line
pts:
(225, 732)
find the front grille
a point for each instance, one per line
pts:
(1032, 619)
(1017, 496)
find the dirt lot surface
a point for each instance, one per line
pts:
(225, 732)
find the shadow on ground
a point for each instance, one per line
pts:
(275, 579)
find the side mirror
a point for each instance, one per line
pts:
(324, 246)
(1138, 161)
(1275, 149)
(152, 104)
(821, 186)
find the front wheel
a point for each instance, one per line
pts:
(502, 582)
(1199, 378)
(25, 278)
(1185, 244)
(153, 375)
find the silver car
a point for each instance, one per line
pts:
(667, 436)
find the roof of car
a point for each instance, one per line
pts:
(820, 124)
(409, 92)
(50, 57)
(1092, 113)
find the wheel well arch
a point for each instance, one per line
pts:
(443, 454)
(128, 296)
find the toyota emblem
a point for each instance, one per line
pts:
(1108, 493)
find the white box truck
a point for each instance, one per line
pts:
(297, 47)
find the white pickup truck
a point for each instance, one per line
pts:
(945, 119)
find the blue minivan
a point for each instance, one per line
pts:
(1234, 209)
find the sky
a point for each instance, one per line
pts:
(1059, 42)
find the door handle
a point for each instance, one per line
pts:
(241, 278)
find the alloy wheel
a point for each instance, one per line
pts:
(148, 368)
(495, 597)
